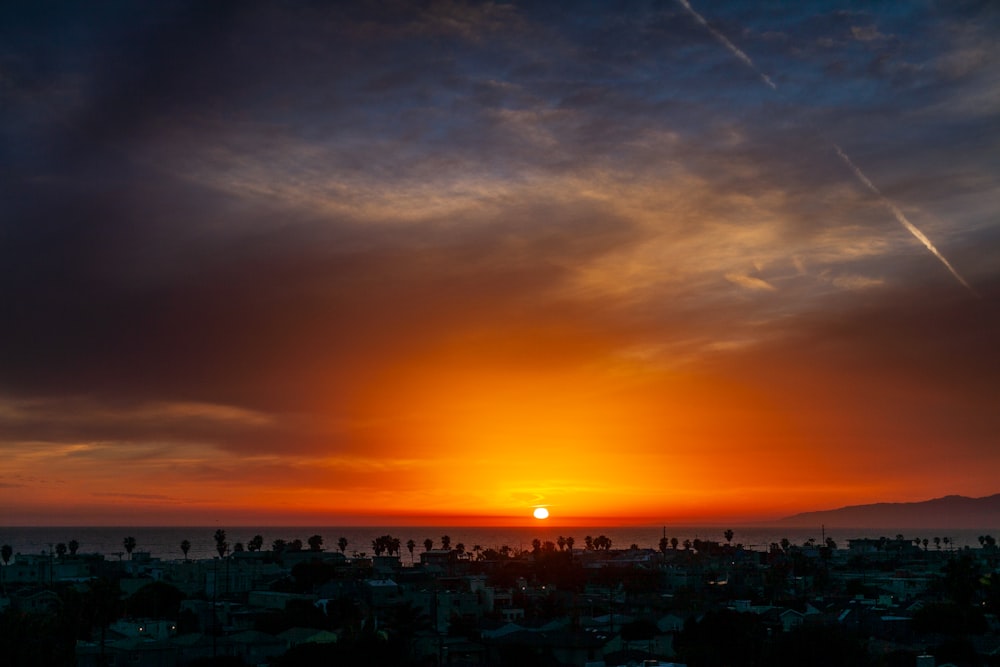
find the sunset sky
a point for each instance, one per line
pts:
(443, 263)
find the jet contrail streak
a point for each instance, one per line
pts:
(729, 45)
(900, 217)
(896, 212)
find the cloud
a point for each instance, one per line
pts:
(749, 282)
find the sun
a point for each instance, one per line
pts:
(541, 513)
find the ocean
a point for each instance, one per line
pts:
(164, 542)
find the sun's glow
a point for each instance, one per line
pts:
(541, 513)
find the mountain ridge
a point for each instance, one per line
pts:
(951, 511)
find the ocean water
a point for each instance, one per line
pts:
(164, 542)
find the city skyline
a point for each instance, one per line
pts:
(448, 264)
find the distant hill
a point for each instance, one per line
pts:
(946, 512)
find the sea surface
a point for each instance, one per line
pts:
(164, 542)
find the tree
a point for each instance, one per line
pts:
(561, 541)
(446, 543)
(937, 543)
(602, 542)
(278, 547)
(74, 546)
(664, 543)
(460, 548)
(315, 543)
(295, 545)
(589, 543)
(255, 543)
(185, 548)
(785, 544)
(5, 553)
(925, 542)
(428, 544)
(342, 544)
(674, 542)
(570, 542)
(238, 548)
(410, 546)
(728, 535)
(220, 542)
(61, 550)
(129, 544)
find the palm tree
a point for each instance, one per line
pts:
(728, 535)
(256, 543)
(5, 553)
(342, 544)
(220, 543)
(561, 541)
(937, 543)
(428, 544)
(570, 542)
(589, 542)
(185, 548)
(925, 542)
(410, 546)
(315, 543)
(946, 540)
(129, 544)
(664, 543)
(73, 547)
(61, 550)
(446, 543)
(674, 542)
(460, 548)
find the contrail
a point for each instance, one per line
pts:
(896, 212)
(729, 45)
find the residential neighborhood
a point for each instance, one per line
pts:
(890, 602)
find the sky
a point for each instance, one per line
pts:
(442, 263)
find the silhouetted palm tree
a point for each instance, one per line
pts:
(925, 541)
(674, 542)
(937, 543)
(61, 550)
(664, 543)
(589, 542)
(570, 542)
(729, 535)
(185, 548)
(410, 546)
(255, 543)
(342, 544)
(73, 547)
(428, 544)
(220, 542)
(561, 541)
(445, 542)
(316, 543)
(129, 544)
(5, 553)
